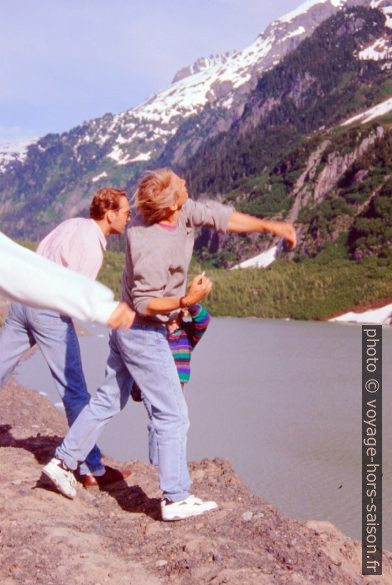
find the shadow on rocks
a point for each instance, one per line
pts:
(41, 446)
(133, 499)
(130, 498)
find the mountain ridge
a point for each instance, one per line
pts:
(287, 135)
(60, 171)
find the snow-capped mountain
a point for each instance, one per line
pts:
(60, 171)
(200, 65)
(222, 82)
(139, 134)
(14, 150)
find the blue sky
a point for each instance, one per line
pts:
(66, 61)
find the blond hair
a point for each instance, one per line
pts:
(155, 193)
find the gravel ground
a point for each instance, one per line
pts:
(116, 536)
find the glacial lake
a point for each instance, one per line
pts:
(280, 399)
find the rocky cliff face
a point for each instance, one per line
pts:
(115, 536)
(337, 164)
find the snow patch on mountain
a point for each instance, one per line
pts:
(100, 176)
(14, 151)
(388, 13)
(199, 65)
(118, 156)
(386, 8)
(143, 156)
(299, 31)
(305, 6)
(379, 110)
(381, 49)
(381, 316)
(260, 261)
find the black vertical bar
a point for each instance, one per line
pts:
(372, 450)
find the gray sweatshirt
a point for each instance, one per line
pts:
(158, 257)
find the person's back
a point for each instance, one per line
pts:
(77, 244)
(158, 255)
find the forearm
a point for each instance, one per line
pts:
(199, 288)
(161, 306)
(243, 223)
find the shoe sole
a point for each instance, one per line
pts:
(57, 483)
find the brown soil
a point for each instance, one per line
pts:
(116, 536)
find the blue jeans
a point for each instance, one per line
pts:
(141, 354)
(152, 436)
(56, 337)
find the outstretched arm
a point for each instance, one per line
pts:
(223, 218)
(29, 278)
(242, 223)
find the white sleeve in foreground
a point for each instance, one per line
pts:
(31, 279)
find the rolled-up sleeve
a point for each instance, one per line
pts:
(207, 214)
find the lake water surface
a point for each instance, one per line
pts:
(280, 399)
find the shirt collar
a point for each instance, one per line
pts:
(101, 236)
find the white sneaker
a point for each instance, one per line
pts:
(62, 477)
(191, 506)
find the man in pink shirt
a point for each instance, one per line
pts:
(77, 244)
(86, 257)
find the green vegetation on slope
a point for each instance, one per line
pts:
(313, 289)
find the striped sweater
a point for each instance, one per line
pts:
(183, 340)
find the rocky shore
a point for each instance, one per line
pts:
(115, 536)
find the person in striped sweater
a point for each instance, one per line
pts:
(183, 334)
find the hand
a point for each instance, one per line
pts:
(199, 288)
(122, 316)
(287, 232)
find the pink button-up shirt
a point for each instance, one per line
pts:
(77, 244)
